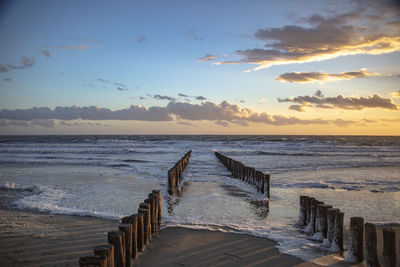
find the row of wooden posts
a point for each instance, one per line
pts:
(324, 223)
(248, 174)
(131, 238)
(175, 174)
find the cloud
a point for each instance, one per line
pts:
(201, 98)
(87, 113)
(7, 79)
(46, 53)
(309, 77)
(363, 30)
(186, 123)
(141, 39)
(395, 94)
(191, 34)
(242, 101)
(206, 111)
(182, 95)
(69, 47)
(32, 123)
(80, 124)
(262, 100)
(164, 97)
(340, 102)
(207, 57)
(222, 123)
(86, 40)
(26, 62)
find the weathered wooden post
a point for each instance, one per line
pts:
(91, 261)
(133, 220)
(356, 240)
(117, 238)
(310, 229)
(389, 248)
(330, 227)
(267, 182)
(371, 254)
(149, 201)
(308, 210)
(321, 222)
(159, 207)
(141, 231)
(106, 251)
(302, 212)
(337, 242)
(145, 210)
(127, 229)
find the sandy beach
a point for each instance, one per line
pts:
(41, 239)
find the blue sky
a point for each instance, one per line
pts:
(114, 55)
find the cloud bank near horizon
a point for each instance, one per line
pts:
(220, 114)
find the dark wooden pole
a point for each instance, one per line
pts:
(159, 213)
(371, 253)
(91, 261)
(337, 244)
(389, 248)
(127, 229)
(117, 238)
(140, 232)
(106, 251)
(356, 240)
(330, 227)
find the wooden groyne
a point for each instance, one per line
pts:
(131, 237)
(324, 223)
(175, 175)
(250, 175)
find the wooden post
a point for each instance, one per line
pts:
(127, 229)
(330, 227)
(145, 210)
(159, 207)
(389, 248)
(308, 209)
(133, 220)
(149, 201)
(302, 211)
(140, 232)
(356, 240)
(106, 251)
(321, 222)
(90, 261)
(337, 243)
(310, 229)
(117, 238)
(371, 254)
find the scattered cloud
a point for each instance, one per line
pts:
(222, 123)
(164, 97)
(395, 94)
(186, 123)
(7, 79)
(26, 62)
(262, 100)
(182, 95)
(207, 57)
(242, 101)
(141, 39)
(339, 102)
(119, 86)
(86, 40)
(80, 124)
(207, 111)
(46, 53)
(309, 77)
(191, 34)
(201, 98)
(69, 47)
(363, 30)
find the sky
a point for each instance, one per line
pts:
(200, 67)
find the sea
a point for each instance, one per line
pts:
(109, 176)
